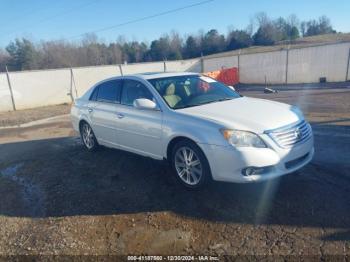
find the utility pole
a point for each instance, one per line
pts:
(10, 87)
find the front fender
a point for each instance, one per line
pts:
(199, 130)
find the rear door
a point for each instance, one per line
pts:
(103, 113)
(139, 130)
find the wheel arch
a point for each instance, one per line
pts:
(176, 140)
(81, 122)
(179, 138)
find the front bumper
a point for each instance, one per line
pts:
(227, 162)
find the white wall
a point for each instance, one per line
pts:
(40, 88)
(348, 76)
(130, 69)
(254, 67)
(85, 77)
(5, 96)
(213, 64)
(307, 65)
(191, 65)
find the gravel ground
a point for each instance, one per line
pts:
(56, 198)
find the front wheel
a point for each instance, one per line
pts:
(190, 164)
(88, 137)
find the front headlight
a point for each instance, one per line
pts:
(242, 138)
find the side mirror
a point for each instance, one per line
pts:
(143, 103)
(232, 88)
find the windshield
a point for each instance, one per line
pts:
(193, 90)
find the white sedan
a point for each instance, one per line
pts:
(203, 128)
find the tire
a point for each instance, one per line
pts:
(88, 137)
(190, 165)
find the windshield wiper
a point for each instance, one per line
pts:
(218, 100)
(181, 107)
(224, 99)
(209, 102)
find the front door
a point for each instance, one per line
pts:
(139, 131)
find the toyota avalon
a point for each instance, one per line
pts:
(203, 128)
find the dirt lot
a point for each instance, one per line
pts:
(56, 198)
(23, 116)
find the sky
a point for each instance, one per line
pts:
(69, 19)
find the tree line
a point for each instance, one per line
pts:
(23, 54)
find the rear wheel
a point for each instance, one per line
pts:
(190, 164)
(88, 137)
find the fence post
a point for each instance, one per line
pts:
(72, 82)
(202, 63)
(238, 64)
(287, 64)
(120, 69)
(164, 65)
(10, 87)
(71, 85)
(347, 67)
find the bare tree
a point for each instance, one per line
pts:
(4, 59)
(23, 54)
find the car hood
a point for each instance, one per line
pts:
(245, 113)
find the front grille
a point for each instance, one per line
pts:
(291, 135)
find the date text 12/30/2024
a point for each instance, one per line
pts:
(173, 258)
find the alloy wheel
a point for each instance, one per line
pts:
(88, 136)
(188, 166)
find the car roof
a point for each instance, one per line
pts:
(148, 76)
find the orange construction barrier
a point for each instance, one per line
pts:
(228, 76)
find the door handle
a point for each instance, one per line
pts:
(90, 110)
(120, 115)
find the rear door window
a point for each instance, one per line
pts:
(93, 96)
(109, 91)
